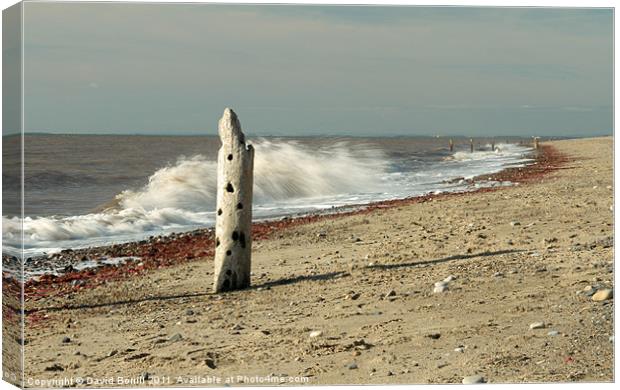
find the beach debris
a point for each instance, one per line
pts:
(449, 278)
(473, 379)
(316, 333)
(55, 367)
(537, 325)
(553, 333)
(390, 293)
(603, 295)
(112, 353)
(434, 335)
(459, 349)
(137, 356)
(233, 252)
(359, 344)
(515, 223)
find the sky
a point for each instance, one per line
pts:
(317, 70)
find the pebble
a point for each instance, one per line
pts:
(189, 312)
(434, 336)
(611, 339)
(176, 337)
(441, 286)
(352, 366)
(537, 325)
(449, 278)
(459, 349)
(353, 296)
(315, 334)
(603, 295)
(470, 380)
(515, 223)
(390, 293)
(66, 340)
(553, 333)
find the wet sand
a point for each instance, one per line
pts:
(363, 285)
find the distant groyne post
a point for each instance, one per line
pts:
(233, 225)
(471, 145)
(493, 145)
(536, 143)
(451, 143)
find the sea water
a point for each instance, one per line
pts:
(82, 191)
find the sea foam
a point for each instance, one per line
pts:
(289, 178)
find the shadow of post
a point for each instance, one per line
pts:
(445, 259)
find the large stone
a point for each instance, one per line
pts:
(473, 379)
(233, 247)
(537, 325)
(603, 295)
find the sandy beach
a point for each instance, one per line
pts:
(358, 298)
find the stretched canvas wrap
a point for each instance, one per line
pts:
(225, 195)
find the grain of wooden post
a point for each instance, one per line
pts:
(235, 165)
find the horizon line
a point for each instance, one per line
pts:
(389, 135)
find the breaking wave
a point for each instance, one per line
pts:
(289, 177)
(183, 194)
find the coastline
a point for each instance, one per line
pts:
(355, 299)
(169, 250)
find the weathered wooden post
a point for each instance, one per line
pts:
(233, 241)
(471, 145)
(451, 143)
(535, 142)
(493, 145)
